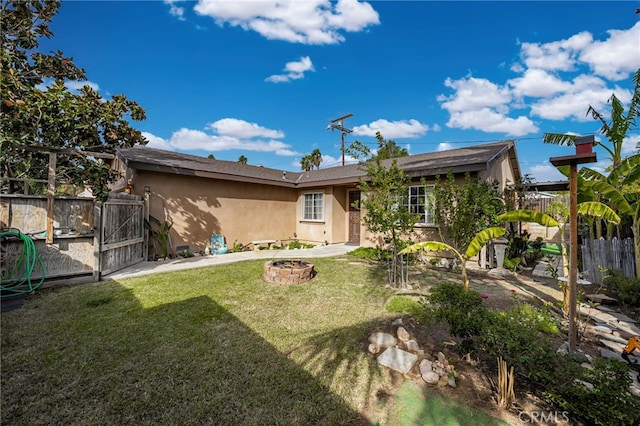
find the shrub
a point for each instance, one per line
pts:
(626, 289)
(372, 253)
(463, 310)
(598, 396)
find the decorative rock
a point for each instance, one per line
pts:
(403, 334)
(441, 357)
(451, 381)
(425, 366)
(383, 340)
(397, 359)
(373, 348)
(563, 349)
(412, 345)
(431, 377)
(397, 321)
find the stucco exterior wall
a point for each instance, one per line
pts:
(200, 207)
(500, 170)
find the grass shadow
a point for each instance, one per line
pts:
(109, 360)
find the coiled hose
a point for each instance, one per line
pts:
(18, 280)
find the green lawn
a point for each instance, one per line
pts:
(211, 346)
(205, 346)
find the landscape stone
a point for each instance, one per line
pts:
(614, 338)
(431, 377)
(373, 348)
(383, 340)
(441, 357)
(397, 321)
(412, 345)
(601, 298)
(623, 317)
(602, 329)
(614, 346)
(403, 334)
(397, 359)
(425, 366)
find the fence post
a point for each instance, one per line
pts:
(97, 240)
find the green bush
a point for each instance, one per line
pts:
(371, 253)
(626, 289)
(406, 305)
(598, 396)
(464, 311)
(298, 245)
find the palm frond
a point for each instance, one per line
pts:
(559, 139)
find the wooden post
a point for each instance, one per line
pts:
(582, 156)
(51, 192)
(573, 259)
(97, 241)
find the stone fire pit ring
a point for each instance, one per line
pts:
(286, 271)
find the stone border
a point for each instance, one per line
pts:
(299, 271)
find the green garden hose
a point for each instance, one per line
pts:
(18, 280)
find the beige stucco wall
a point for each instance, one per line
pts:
(501, 171)
(200, 207)
(333, 228)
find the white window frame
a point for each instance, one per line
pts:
(313, 206)
(421, 204)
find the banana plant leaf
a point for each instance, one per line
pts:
(599, 210)
(482, 238)
(528, 216)
(433, 246)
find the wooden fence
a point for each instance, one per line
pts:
(607, 254)
(89, 239)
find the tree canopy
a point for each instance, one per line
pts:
(39, 113)
(387, 148)
(309, 161)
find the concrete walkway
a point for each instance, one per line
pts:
(178, 264)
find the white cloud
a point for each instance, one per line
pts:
(234, 127)
(231, 134)
(77, 85)
(629, 143)
(293, 71)
(307, 22)
(392, 129)
(537, 83)
(491, 121)
(552, 84)
(557, 55)
(175, 10)
(474, 93)
(444, 146)
(573, 103)
(546, 173)
(156, 142)
(436, 128)
(616, 57)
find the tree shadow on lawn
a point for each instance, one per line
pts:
(109, 360)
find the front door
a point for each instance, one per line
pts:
(354, 217)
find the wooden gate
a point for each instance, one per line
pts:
(122, 232)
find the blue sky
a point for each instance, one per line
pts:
(263, 79)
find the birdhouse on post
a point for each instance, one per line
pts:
(584, 144)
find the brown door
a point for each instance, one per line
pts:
(354, 217)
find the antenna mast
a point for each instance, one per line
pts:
(338, 123)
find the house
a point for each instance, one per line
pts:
(247, 203)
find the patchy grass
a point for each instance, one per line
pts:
(205, 346)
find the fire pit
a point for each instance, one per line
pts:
(287, 271)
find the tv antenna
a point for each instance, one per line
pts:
(338, 124)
